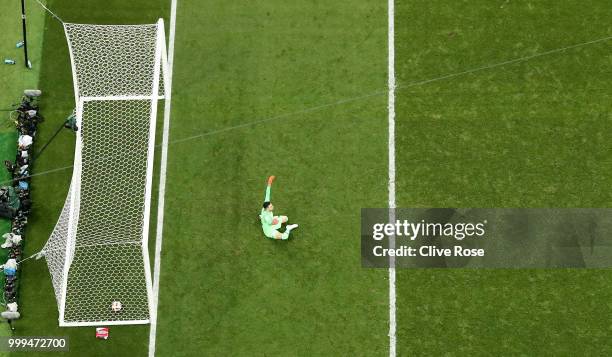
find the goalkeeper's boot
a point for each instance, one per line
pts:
(292, 227)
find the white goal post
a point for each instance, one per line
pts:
(98, 253)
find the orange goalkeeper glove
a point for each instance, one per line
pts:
(270, 180)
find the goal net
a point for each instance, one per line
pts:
(98, 252)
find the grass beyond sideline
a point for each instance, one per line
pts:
(13, 80)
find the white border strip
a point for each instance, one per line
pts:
(391, 108)
(124, 97)
(162, 176)
(159, 48)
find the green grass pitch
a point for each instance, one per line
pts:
(532, 133)
(529, 134)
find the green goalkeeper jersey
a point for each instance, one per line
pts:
(266, 218)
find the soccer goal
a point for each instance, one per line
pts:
(98, 252)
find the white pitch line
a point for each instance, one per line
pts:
(391, 118)
(162, 180)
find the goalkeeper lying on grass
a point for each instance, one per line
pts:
(271, 223)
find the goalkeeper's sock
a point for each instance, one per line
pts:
(285, 235)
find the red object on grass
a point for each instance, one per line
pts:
(102, 332)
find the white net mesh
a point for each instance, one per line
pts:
(98, 252)
(55, 249)
(129, 49)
